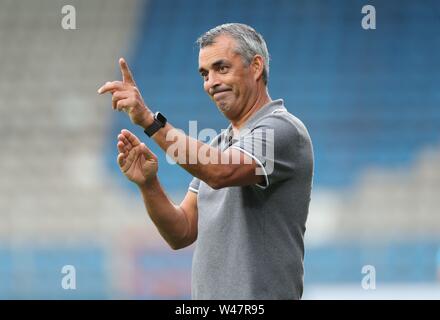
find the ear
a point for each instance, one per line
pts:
(257, 66)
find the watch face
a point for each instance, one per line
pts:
(161, 118)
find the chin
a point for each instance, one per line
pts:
(224, 107)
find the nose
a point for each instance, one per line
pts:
(212, 82)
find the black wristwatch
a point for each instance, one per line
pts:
(159, 122)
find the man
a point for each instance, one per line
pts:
(248, 206)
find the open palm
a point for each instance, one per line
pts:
(135, 160)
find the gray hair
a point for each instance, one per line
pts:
(249, 43)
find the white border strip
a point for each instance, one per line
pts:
(258, 163)
(193, 190)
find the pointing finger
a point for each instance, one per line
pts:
(127, 77)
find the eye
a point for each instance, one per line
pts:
(223, 69)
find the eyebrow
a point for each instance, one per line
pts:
(215, 64)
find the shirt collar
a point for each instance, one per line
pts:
(265, 110)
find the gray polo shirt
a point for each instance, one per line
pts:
(250, 242)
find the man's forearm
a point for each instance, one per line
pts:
(187, 151)
(169, 219)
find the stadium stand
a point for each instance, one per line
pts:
(57, 202)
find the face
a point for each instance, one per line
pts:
(226, 78)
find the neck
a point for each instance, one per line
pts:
(256, 104)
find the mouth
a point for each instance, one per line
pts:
(219, 94)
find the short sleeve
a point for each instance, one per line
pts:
(194, 185)
(273, 144)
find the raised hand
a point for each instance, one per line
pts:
(135, 160)
(126, 97)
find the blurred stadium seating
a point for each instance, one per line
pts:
(370, 100)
